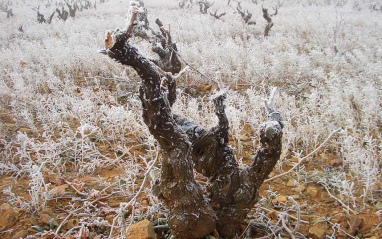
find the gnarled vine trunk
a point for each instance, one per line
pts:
(231, 191)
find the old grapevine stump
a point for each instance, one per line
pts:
(231, 191)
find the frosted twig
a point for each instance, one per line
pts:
(286, 228)
(298, 213)
(122, 217)
(271, 100)
(219, 81)
(132, 201)
(75, 189)
(345, 232)
(71, 230)
(180, 23)
(375, 229)
(338, 200)
(273, 234)
(306, 157)
(191, 67)
(272, 210)
(112, 227)
(185, 69)
(104, 197)
(66, 219)
(103, 78)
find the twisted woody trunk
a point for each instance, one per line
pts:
(231, 191)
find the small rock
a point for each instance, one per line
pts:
(49, 177)
(324, 156)
(8, 216)
(378, 206)
(355, 223)
(245, 138)
(21, 234)
(305, 217)
(210, 87)
(312, 191)
(142, 230)
(293, 159)
(47, 215)
(5, 206)
(207, 87)
(159, 216)
(25, 130)
(61, 190)
(89, 181)
(373, 237)
(145, 203)
(317, 232)
(272, 214)
(73, 222)
(110, 218)
(336, 162)
(33, 220)
(295, 197)
(299, 188)
(290, 183)
(282, 199)
(114, 203)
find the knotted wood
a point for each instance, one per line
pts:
(231, 192)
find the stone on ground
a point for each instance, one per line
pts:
(355, 224)
(282, 199)
(8, 216)
(47, 215)
(378, 206)
(317, 232)
(142, 230)
(312, 191)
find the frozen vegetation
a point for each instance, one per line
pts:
(68, 113)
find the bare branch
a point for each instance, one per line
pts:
(286, 228)
(216, 15)
(298, 209)
(246, 15)
(181, 73)
(62, 14)
(204, 5)
(276, 11)
(338, 200)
